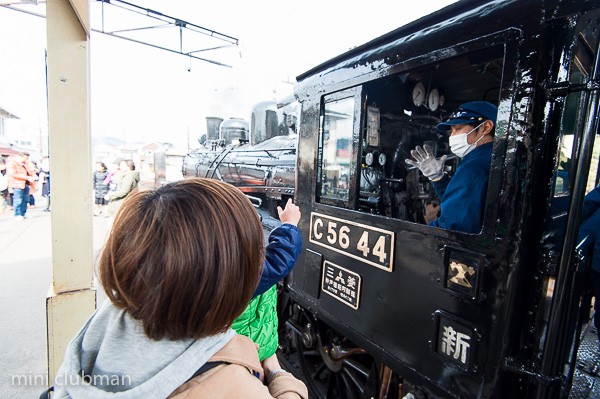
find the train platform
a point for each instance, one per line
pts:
(25, 277)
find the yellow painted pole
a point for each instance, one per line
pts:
(71, 298)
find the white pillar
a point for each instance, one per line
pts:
(71, 298)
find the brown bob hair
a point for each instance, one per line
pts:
(184, 259)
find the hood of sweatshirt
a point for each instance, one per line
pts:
(112, 357)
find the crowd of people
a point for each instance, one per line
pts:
(112, 185)
(20, 177)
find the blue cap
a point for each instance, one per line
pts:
(474, 112)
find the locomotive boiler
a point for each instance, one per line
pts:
(381, 305)
(259, 157)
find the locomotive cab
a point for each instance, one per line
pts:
(233, 131)
(383, 300)
(269, 120)
(398, 113)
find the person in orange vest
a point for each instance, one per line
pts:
(21, 178)
(3, 186)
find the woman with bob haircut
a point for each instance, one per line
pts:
(181, 263)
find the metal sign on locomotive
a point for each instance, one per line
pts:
(382, 305)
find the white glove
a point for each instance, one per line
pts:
(431, 168)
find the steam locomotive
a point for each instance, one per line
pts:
(259, 158)
(381, 305)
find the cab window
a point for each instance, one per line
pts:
(391, 117)
(337, 149)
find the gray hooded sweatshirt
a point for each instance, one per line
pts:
(111, 357)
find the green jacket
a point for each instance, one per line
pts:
(126, 183)
(259, 322)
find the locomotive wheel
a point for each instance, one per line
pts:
(333, 366)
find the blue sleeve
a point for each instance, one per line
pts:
(285, 243)
(591, 203)
(591, 228)
(463, 201)
(441, 185)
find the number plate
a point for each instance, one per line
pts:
(368, 244)
(342, 284)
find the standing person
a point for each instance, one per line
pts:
(45, 178)
(33, 186)
(110, 180)
(471, 128)
(100, 187)
(3, 186)
(197, 246)
(259, 321)
(127, 180)
(20, 178)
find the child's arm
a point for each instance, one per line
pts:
(285, 243)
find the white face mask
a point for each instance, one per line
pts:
(459, 144)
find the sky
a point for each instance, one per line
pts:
(139, 93)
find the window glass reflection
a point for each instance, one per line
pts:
(336, 149)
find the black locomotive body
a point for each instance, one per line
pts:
(381, 299)
(259, 159)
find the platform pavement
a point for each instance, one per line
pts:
(25, 277)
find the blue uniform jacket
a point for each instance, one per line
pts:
(285, 243)
(591, 224)
(463, 196)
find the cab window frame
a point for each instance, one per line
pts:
(354, 93)
(504, 137)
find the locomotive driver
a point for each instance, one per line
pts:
(471, 129)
